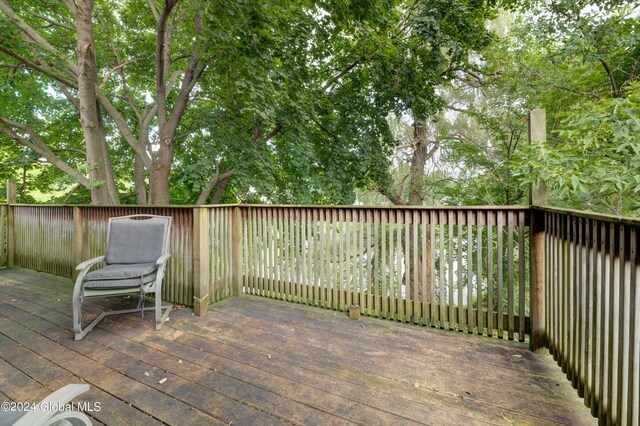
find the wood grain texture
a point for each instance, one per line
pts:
(253, 360)
(592, 308)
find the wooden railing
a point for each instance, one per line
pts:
(593, 308)
(3, 235)
(55, 239)
(562, 279)
(456, 268)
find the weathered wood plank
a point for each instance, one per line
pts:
(111, 411)
(240, 332)
(490, 290)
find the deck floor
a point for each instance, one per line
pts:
(256, 361)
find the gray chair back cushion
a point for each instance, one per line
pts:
(135, 241)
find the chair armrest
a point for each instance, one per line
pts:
(90, 262)
(59, 398)
(162, 259)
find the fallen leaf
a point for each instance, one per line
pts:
(162, 380)
(146, 373)
(179, 361)
(362, 325)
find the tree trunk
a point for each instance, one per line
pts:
(114, 196)
(418, 163)
(217, 196)
(89, 113)
(161, 166)
(159, 182)
(140, 182)
(416, 197)
(220, 180)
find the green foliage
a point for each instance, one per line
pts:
(578, 61)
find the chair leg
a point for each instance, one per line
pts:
(159, 320)
(77, 316)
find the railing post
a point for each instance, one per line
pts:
(3, 213)
(538, 133)
(201, 260)
(537, 312)
(11, 239)
(537, 197)
(236, 251)
(78, 238)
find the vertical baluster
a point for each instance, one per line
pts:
(408, 307)
(392, 292)
(399, 258)
(622, 333)
(450, 258)
(383, 268)
(634, 331)
(441, 277)
(470, 320)
(459, 310)
(521, 273)
(333, 278)
(510, 293)
(432, 269)
(490, 296)
(368, 306)
(479, 263)
(423, 259)
(375, 279)
(500, 267)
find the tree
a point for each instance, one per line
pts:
(579, 61)
(44, 55)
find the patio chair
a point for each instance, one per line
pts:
(136, 257)
(50, 411)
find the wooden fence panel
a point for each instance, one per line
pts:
(220, 260)
(593, 309)
(454, 268)
(450, 268)
(44, 238)
(178, 285)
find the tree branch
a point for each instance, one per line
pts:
(394, 198)
(112, 70)
(610, 76)
(32, 35)
(123, 127)
(38, 146)
(161, 87)
(273, 133)
(215, 180)
(52, 22)
(192, 74)
(37, 67)
(341, 74)
(154, 10)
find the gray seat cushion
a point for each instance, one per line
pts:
(121, 283)
(122, 271)
(135, 241)
(121, 275)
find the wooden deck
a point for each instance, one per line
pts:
(257, 361)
